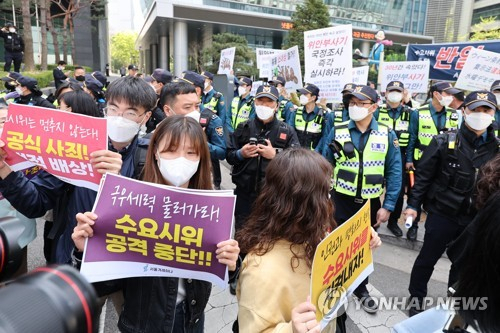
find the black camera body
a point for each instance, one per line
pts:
(257, 141)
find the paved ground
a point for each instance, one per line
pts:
(393, 262)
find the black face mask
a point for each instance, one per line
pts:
(80, 78)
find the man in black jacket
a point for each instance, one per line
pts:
(251, 147)
(59, 75)
(14, 47)
(445, 182)
(30, 94)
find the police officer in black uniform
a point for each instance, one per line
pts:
(157, 80)
(30, 94)
(14, 47)
(252, 145)
(445, 184)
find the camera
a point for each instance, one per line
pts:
(54, 299)
(257, 141)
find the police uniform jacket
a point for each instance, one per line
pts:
(12, 41)
(34, 100)
(248, 172)
(446, 178)
(219, 104)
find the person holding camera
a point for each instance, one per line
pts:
(14, 47)
(253, 145)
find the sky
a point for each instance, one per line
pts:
(124, 15)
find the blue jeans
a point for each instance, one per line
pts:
(180, 325)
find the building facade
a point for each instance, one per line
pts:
(171, 27)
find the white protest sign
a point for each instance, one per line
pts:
(261, 53)
(287, 64)
(266, 68)
(328, 59)
(226, 60)
(480, 70)
(360, 75)
(413, 74)
(255, 86)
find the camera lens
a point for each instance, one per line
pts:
(55, 299)
(10, 251)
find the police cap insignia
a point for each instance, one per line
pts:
(396, 84)
(267, 89)
(358, 89)
(482, 96)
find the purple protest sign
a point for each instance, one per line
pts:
(146, 229)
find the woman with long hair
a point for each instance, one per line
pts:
(178, 156)
(291, 216)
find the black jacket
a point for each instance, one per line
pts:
(445, 178)
(12, 41)
(34, 100)
(247, 174)
(59, 77)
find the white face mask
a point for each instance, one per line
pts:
(498, 99)
(478, 120)
(303, 100)
(264, 112)
(446, 101)
(394, 97)
(122, 130)
(195, 115)
(357, 113)
(177, 171)
(206, 85)
(19, 90)
(242, 90)
(12, 30)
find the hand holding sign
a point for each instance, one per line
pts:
(104, 161)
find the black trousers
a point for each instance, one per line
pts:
(216, 170)
(345, 208)
(17, 57)
(439, 232)
(399, 203)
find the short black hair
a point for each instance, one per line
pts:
(80, 102)
(67, 84)
(78, 67)
(170, 91)
(62, 62)
(132, 90)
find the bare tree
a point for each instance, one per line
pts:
(43, 28)
(52, 30)
(29, 62)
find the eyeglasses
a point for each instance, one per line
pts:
(130, 115)
(360, 104)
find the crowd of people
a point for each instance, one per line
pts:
(300, 168)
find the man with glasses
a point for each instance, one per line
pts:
(365, 154)
(130, 100)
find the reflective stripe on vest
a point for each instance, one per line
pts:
(401, 125)
(212, 104)
(241, 115)
(347, 171)
(427, 129)
(308, 130)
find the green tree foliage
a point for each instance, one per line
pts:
(486, 29)
(123, 52)
(244, 59)
(311, 15)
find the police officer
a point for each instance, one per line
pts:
(252, 145)
(10, 86)
(242, 107)
(213, 100)
(14, 47)
(445, 183)
(309, 120)
(495, 89)
(364, 154)
(158, 79)
(181, 101)
(132, 70)
(94, 88)
(285, 106)
(397, 117)
(30, 94)
(433, 119)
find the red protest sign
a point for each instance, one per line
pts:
(58, 141)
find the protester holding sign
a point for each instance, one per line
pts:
(397, 117)
(129, 102)
(365, 155)
(281, 238)
(285, 104)
(177, 156)
(445, 182)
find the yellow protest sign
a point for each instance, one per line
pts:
(341, 262)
